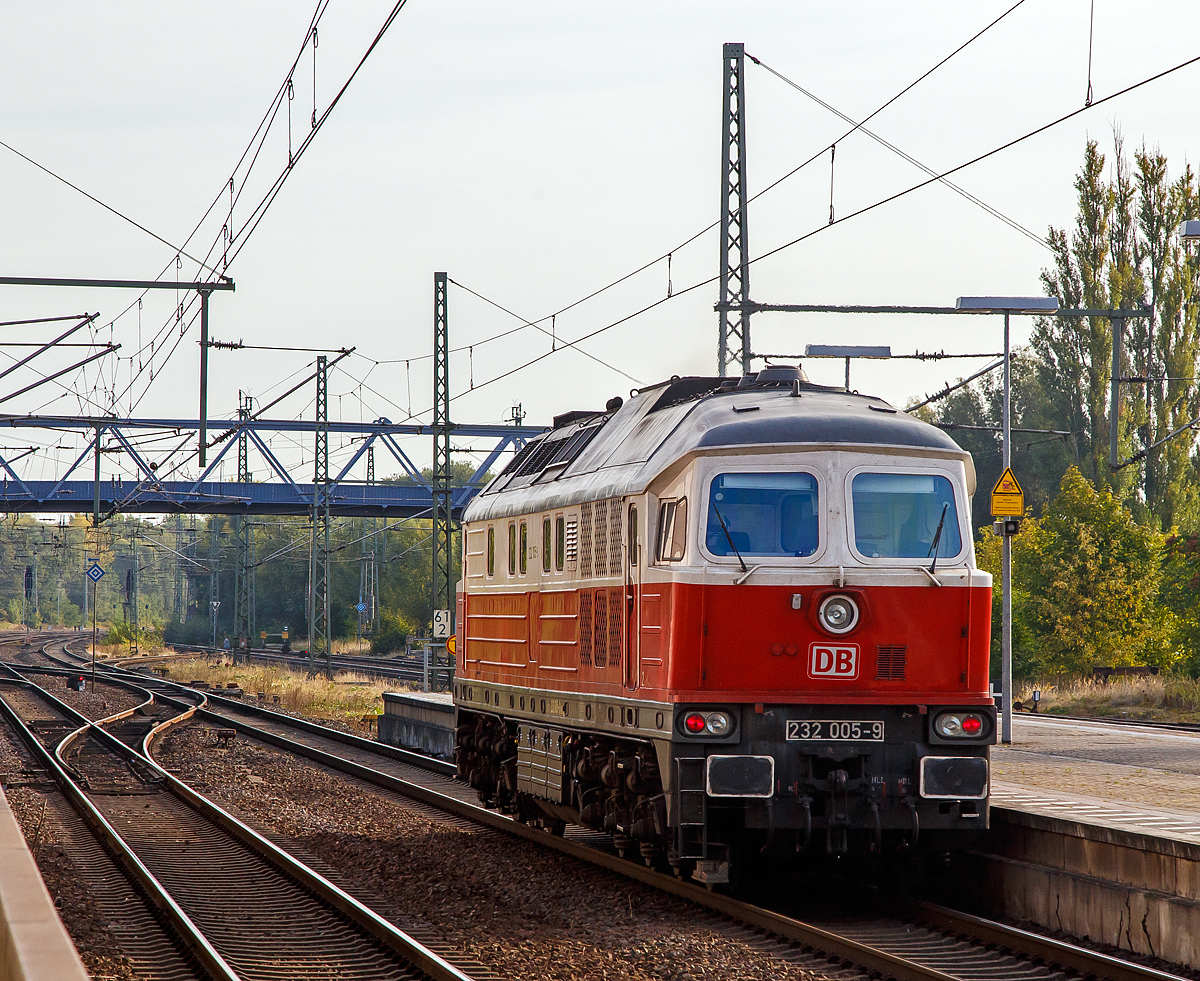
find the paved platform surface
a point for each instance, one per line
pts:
(1136, 779)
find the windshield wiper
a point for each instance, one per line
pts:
(728, 537)
(937, 537)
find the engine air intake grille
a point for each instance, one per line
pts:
(600, 630)
(585, 627)
(616, 600)
(889, 663)
(585, 541)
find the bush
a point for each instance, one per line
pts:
(392, 632)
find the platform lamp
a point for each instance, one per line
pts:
(1007, 305)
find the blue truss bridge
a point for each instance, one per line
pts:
(148, 492)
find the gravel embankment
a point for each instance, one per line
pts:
(525, 912)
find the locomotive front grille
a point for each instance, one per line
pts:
(889, 663)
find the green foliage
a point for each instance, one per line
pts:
(1085, 583)
(1180, 595)
(122, 632)
(390, 637)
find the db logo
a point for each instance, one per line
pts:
(833, 661)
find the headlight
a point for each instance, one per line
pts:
(717, 723)
(838, 614)
(959, 725)
(707, 724)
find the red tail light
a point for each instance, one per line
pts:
(972, 725)
(694, 723)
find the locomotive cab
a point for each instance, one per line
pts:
(730, 618)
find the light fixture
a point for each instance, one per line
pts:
(846, 351)
(1008, 304)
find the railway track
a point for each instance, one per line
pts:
(912, 941)
(399, 668)
(232, 902)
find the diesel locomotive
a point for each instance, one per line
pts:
(729, 618)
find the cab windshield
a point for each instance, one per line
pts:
(762, 514)
(898, 516)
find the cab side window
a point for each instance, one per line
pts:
(546, 544)
(491, 552)
(633, 533)
(512, 549)
(672, 530)
(524, 555)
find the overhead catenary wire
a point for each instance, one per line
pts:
(855, 214)
(538, 327)
(795, 170)
(859, 127)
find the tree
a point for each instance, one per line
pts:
(1124, 253)
(1085, 582)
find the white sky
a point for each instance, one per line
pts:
(537, 151)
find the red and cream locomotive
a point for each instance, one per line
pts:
(729, 617)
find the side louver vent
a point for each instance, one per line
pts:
(889, 663)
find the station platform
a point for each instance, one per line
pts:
(421, 721)
(1139, 778)
(1095, 831)
(34, 945)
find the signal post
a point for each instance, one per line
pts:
(1008, 507)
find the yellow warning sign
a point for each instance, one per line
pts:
(451, 644)
(1008, 500)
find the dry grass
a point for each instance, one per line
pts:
(345, 699)
(1163, 698)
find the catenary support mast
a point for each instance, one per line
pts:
(243, 532)
(319, 640)
(443, 559)
(733, 349)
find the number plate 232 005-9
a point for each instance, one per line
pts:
(833, 729)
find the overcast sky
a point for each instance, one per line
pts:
(536, 152)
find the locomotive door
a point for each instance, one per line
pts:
(632, 604)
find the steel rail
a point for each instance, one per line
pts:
(187, 931)
(873, 960)
(1047, 949)
(411, 950)
(1031, 945)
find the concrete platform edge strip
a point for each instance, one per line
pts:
(34, 944)
(1141, 840)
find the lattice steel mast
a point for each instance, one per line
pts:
(178, 604)
(243, 534)
(443, 558)
(319, 640)
(734, 339)
(368, 576)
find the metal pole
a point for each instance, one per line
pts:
(733, 326)
(1118, 329)
(204, 294)
(96, 485)
(93, 635)
(1006, 566)
(847, 374)
(442, 581)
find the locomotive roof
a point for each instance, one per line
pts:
(589, 456)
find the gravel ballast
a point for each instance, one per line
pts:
(36, 811)
(526, 912)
